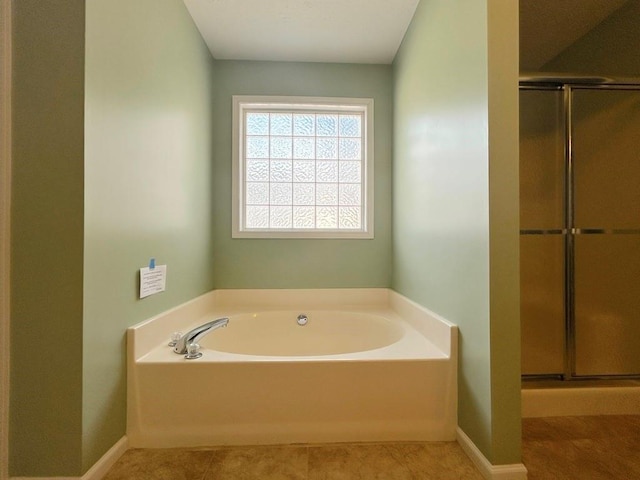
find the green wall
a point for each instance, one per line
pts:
(123, 152)
(112, 160)
(302, 263)
(451, 210)
(47, 237)
(148, 157)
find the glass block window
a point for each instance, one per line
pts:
(302, 167)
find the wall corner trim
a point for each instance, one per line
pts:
(516, 471)
(99, 469)
(5, 228)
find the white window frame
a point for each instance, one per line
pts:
(242, 103)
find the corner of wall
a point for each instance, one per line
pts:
(504, 225)
(5, 209)
(102, 466)
(47, 169)
(516, 471)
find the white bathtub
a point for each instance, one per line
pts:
(368, 366)
(326, 332)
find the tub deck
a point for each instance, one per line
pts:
(410, 347)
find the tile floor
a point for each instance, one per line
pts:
(556, 448)
(410, 461)
(575, 448)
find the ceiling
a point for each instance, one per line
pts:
(343, 31)
(369, 31)
(547, 27)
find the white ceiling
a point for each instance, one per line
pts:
(369, 31)
(343, 31)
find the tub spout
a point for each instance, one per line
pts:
(197, 333)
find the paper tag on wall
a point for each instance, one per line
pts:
(152, 280)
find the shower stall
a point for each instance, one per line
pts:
(580, 228)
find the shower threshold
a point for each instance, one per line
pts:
(555, 398)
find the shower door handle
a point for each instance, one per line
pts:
(549, 231)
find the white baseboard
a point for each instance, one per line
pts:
(516, 471)
(99, 469)
(102, 466)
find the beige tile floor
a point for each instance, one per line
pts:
(410, 461)
(575, 448)
(556, 448)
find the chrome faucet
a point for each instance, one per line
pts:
(189, 338)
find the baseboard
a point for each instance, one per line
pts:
(516, 471)
(102, 466)
(99, 469)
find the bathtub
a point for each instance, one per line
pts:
(369, 365)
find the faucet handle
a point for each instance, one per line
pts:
(175, 336)
(193, 351)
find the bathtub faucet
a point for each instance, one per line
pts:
(197, 333)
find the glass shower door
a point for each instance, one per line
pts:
(606, 211)
(542, 231)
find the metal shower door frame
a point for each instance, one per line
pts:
(568, 84)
